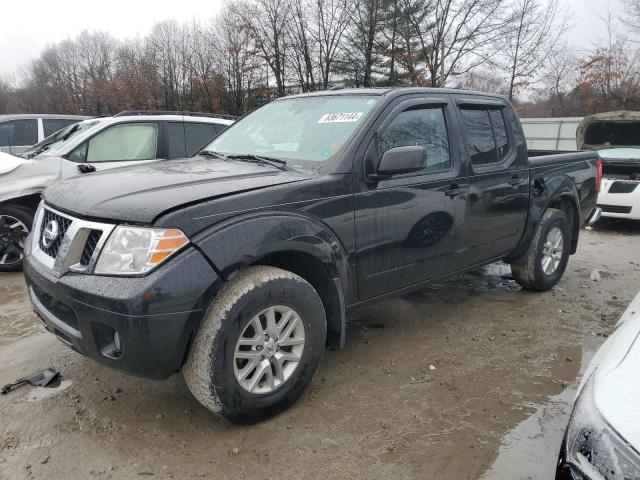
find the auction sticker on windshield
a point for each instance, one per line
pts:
(340, 117)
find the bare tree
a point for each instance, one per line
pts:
(455, 36)
(360, 51)
(269, 21)
(303, 51)
(331, 18)
(560, 72)
(238, 55)
(536, 29)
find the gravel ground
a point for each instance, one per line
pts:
(469, 378)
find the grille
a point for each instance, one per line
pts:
(63, 226)
(615, 209)
(623, 187)
(90, 247)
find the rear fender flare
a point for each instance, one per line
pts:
(551, 191)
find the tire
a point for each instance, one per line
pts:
(531, 274)
(15, 224)
(212, 369)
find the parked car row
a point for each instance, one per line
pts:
(129, 138)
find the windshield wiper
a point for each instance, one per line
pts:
(260, 160)
(37, 152)
(211, 153)
(71, 130)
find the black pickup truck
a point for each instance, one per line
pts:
(239, 267)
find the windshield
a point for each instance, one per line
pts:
(622, 153)
(299, 130)
(57, 140)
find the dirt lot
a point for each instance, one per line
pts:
(470, 378)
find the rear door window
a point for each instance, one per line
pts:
(175, 139)
(197, 135)
(487, 138)
(480, 141)
(500, 133)
(52, 125)
(19, 133)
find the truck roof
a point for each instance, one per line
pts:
(394, 91)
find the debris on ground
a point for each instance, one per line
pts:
(42, 378)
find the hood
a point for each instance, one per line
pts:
(616, 381)
(9, 163)
(141, 193)
(611, 129)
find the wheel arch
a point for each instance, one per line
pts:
(29, 201)
(294, 242)
(558, 192)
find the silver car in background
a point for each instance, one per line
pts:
(129, 138)
(19, 132)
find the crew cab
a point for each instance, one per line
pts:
(129, 138)
(239, 266)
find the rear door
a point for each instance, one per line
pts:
(498, 180)
(410, 226)
(118, 145)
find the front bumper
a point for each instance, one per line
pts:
(155, 316)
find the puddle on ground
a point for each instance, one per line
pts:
(528, 450)
(17, 319)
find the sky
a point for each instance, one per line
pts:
(26, 27)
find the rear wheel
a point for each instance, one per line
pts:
(548, 255)
(258, 345)
(15, 225)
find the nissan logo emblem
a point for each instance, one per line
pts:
(50, 233)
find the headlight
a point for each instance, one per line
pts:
(593, 449)
(137, 250)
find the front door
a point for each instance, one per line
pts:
(409, 226)
(116, 146)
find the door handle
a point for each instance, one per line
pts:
(515, 180)
(454, 190)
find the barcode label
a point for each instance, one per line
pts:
(340, 117)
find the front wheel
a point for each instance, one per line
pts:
(15, 225)
(258, 345)
(547, 257)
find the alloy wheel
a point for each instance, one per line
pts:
(552, 251)
(13, 233)
(269, 349)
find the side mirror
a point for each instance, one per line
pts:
(402, 160)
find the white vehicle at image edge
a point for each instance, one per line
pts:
(616, 137)
(602, 441)
(129, 138)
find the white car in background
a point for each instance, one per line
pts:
(128, 138)
(602, 441)
(616, 137)
(21, 131)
